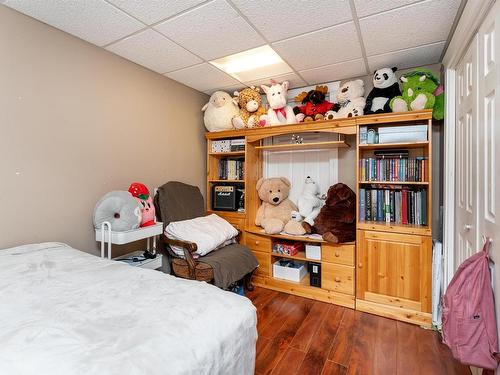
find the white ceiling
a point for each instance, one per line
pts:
(321, 40)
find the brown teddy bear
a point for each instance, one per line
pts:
(275, 212)
(250, 103)
(336, 221)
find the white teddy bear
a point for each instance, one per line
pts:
(350, 100)
(310, 201)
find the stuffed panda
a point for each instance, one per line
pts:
(385, 87)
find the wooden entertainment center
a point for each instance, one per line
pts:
(387, 271)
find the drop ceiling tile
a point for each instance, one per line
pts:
(298, 16)
(153, 11)
(334, 72)
(369, 7)
(327, 46)
(229, 89)
(294, 79)
(95, 21)
(152, 50)
(211, 31)
(408, 58)
(203, 77)
(411, 26)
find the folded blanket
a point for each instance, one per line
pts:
(208, 232)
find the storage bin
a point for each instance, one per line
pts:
(398, 134)
(291, 270)
(313, 251)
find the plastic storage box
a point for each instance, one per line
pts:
(291, 270)
(313, 251)
(398, 134)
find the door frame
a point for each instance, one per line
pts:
(468, 25)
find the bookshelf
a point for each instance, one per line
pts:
(387, 271)
(394, 221)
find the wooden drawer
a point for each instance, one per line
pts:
(264, 263)
(340, 254)
(258, 243)
(236, 222)
(337, 278)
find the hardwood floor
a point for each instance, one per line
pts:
(302, 336)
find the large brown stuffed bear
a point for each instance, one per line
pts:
(275, 212)
(336, 221)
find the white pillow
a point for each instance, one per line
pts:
(208, 232)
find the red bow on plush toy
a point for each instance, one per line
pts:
(141, 193)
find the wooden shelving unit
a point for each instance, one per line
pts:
(386, 271)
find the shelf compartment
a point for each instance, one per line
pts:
(301, 255)
(230, 181)
(376, 146)
(231, 153)
(304, 146)
(382, 226)
(393, 182)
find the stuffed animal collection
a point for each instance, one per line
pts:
(250, 104)
(421, 89)
(314, 104)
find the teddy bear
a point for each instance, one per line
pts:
(350, 100)
(421, 90)
(250, 103)
(314, 104)
(279, 113)
(275, 212)
(336, 220)
(219, 111)
(385, 87)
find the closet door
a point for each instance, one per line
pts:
(466, 159)
(489, 133)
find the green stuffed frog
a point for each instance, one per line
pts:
(421, 90)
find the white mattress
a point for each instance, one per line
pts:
(63, 311)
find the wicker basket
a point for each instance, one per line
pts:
(203, 272)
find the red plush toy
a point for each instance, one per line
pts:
(314, 105)
(141, 193)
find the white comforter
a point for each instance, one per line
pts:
(63, 311)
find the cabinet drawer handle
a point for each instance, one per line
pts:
(337, 254)
(257, 242)
(360, 265)
(337, 279)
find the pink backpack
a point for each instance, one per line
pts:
(469, 325)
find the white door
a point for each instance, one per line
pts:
(466, 158)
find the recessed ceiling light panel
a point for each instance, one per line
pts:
(253, 64)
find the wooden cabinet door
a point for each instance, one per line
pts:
(394, 269)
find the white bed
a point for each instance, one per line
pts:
(63, 311)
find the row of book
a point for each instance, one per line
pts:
(393, 206)
(231, 169)
(401, 169)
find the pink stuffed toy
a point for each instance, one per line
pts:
(141, 193)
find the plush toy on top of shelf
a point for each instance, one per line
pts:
(421, 90)
(314, 104)
(250, 103)
(350, 100)
(275, 212)
(219, 111)
(385, 87)
(279, 113)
